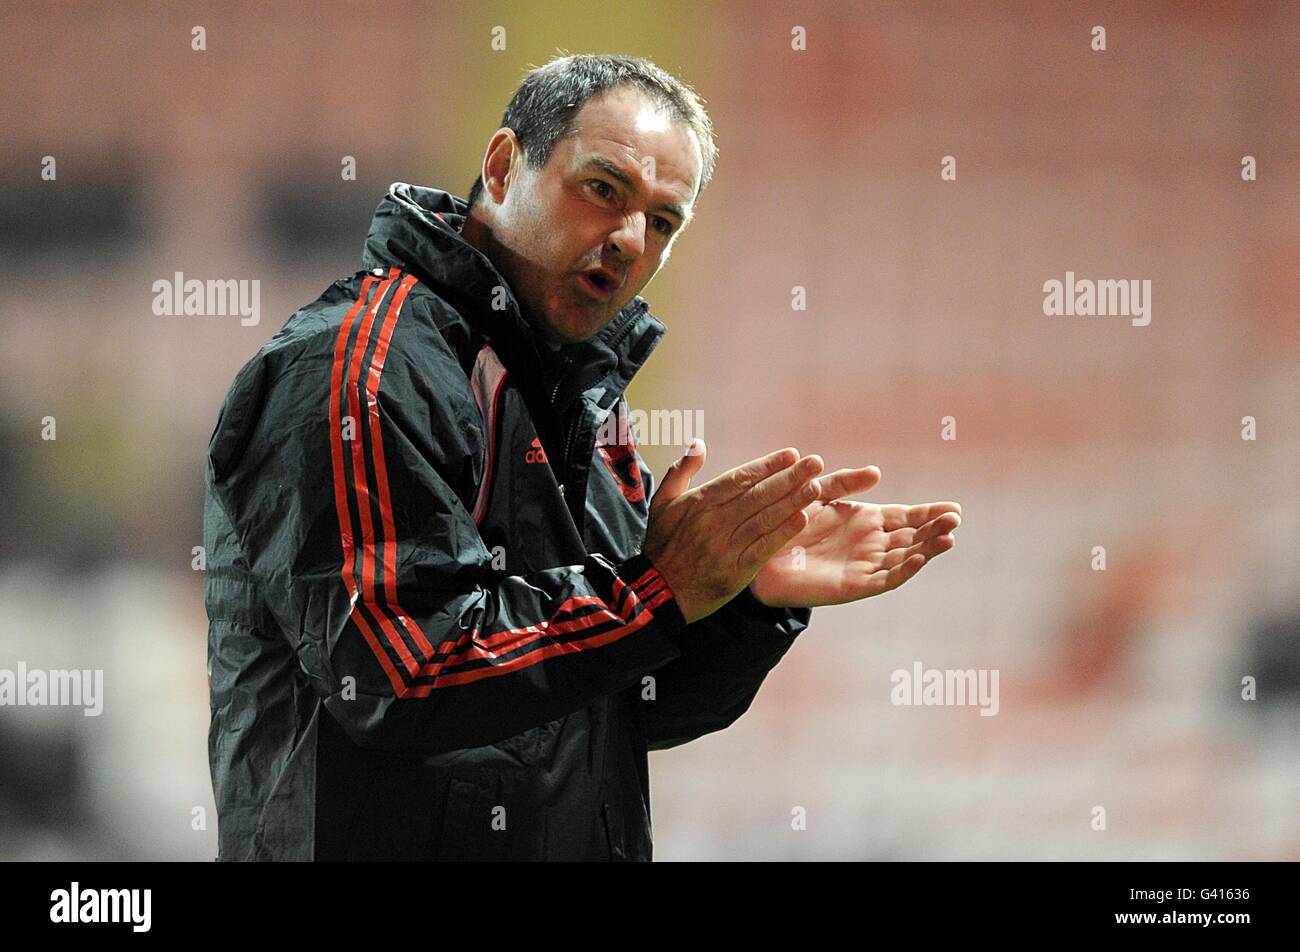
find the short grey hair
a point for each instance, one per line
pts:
(544, 109)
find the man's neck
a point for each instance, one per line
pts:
(477, 231)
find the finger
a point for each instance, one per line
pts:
(774, 490)
(920, 515)
(899, 517)
(735, 481)
(760, 523)
(678, 478)
(848, 482)
(946, 523)
(930, 548)
(902, 572)
(757, 553)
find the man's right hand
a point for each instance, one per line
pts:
(708, 543)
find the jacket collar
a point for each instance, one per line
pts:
(418, 229)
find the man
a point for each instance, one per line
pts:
(446, 619)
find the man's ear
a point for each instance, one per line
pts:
(500, 163)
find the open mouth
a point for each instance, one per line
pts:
(598, 285)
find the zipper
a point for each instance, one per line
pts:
(630, 322)
(568, 441)
(555, 392)
(559, 377)
(617, 339)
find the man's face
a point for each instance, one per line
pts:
(614, 196)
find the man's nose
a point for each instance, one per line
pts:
(629, 241)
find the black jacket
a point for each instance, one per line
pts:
(431, 632)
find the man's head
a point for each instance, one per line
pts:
(597, 165)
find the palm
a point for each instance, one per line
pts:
(854, 550)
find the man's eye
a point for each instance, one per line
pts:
(667, 228)
(597, 184)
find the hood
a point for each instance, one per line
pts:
(417, 228)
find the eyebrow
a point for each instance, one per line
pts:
(614, 172)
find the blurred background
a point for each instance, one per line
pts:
(1119, 688)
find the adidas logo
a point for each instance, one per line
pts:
(536, 454)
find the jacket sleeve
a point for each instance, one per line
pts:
(348, 478)
(725, 657)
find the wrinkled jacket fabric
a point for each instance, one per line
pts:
(432, 634)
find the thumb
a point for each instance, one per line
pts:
(678, 478)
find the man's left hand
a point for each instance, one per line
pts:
(854, 550)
